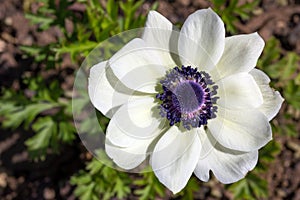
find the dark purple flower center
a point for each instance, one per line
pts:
(187, 98)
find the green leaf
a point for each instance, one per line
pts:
(258, 186)
(149, 187)
(232, 11)
(76, 48)
(45, 129)
(250, 188)
(66, 132)
(103, 182)
(26, 114)
(120, 189)
(266, 155)
(188, 192)
(43, 21)
(112, 9)
(129, 8)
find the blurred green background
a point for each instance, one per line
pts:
(43, 43)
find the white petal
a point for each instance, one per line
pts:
(240, 55)
(202, 171)
(135, 121)
(243, 130)
(202, 39)
(159, 33)
(239, 91)
(128, 157)
(174, 158)
(105, 91)
(138, 66)
(156, 20)
(227, 165)
(272, 99)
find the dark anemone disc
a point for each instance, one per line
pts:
(187, 98)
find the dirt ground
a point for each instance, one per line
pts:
(21, 178)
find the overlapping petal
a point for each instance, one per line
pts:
(272, 99)
(227, 165)
(133, 122)
(138, 66)
(240, 55)
(242, 130)
(105, 91)
(239, 91)
(163, 36)
(202, 39)
(175, 157)
(129, 157)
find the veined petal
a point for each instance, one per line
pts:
(133, 122)
(156, 20)
(272, 99)
(242, 130)
(138, 66)
(239, 91)
(105, 90)
(128, 157)
(240, 55)
(202, 171)
(175, 157)
(227, 165)
(159, 33)
(202, 39)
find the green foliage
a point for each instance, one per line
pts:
(101, 22)
(42, 113)
(39, 108)
(129, 8)
(250, 188)
(50, 13)
(40, 54)
(253, 186)
(149, 187)
(26, 114)
(283, 68)
(267, 155)
(277, 66)
(98, 22)
(48, 133)
(99, 181)
(47, 110)
(188, 192)
(231, 11)
(15, 114)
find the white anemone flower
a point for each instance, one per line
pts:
(192, 102)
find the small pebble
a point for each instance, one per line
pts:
(8, 21)
(2, 46)
(49, 193)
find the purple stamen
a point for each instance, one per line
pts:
(187, 98)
